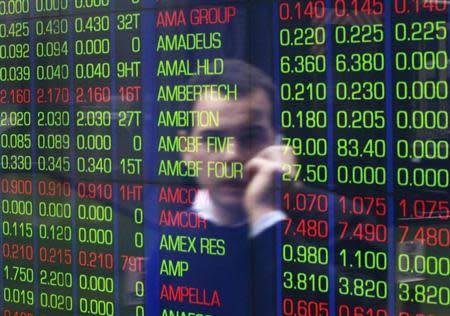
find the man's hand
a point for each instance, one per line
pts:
(261, 172)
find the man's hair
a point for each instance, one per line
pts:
(247, 77)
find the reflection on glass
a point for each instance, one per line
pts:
(230, 158)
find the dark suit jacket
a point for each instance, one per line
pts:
(245, 277)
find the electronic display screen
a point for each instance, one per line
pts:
(224, 158)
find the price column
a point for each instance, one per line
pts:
(18, 251)
(95, 248)
(18, 235)
(421, 146)
(94, 119)
(303, 97)
(52, 76)
(360, 157)
(93, 95)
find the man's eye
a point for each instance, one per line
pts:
(252, 139)
(245, 139)
(212, 134)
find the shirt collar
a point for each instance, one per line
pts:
(204, 207)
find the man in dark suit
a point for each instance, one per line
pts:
(239, 177)
(236, 200)
(236, 196)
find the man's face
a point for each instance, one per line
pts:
(247, 124)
